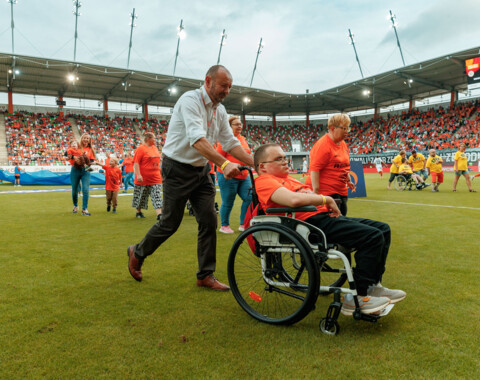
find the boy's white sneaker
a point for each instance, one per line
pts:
(368, 304)
(394, 295)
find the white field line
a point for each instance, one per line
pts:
(414, 204)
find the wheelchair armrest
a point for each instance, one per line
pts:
(291, 209)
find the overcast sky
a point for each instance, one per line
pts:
(306, 41)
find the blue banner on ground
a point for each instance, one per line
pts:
(357, 177)
(46, 177)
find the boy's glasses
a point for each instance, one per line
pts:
(346, 129)
(280, 160)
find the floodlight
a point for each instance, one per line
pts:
(181, 32)
(366, 92)
(246, 100)
(17, 71)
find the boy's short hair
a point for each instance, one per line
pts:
(260, 154)
(148, 135)
(339, 120)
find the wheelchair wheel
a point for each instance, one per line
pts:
(334, 329)
(400, 182)
(265, 278)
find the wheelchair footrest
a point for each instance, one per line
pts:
(357, 315)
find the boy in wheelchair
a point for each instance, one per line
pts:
(371, 239)
(408, 173)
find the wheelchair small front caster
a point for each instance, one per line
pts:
(329, 327)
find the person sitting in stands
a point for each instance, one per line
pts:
(371, 239)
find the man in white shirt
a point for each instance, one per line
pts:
(198, 121)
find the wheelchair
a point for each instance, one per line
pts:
(403, 182)
(279, 266)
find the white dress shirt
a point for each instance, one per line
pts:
(195, 116)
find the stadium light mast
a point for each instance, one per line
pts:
(181, 35)
(12, 24)
(260, 47)
(132, 25)
(224, 36)
(77, 4)
(393, 18)
(352, 42)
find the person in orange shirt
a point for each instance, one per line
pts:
(82, 174)
(330, 162)
(275, 188)
(128, 166)
(148, 179)
(113, 179)
(239, 184)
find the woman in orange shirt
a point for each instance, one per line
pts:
(148, 179)
(237, 185)
(330, 162)
(82, 174)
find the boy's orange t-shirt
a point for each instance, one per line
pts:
(128, 165)
(267, 184)
(75, 153)
(113, 177)
(229, 157)
(333, 162)
(148, 158)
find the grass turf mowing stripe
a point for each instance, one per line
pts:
(413, 204)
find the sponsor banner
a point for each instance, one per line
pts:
(30, 169)
(446, 154)
(357, 177)
(46, 177)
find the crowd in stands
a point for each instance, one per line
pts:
(283, 135)
(435, 128)
(42, 139)
(158, 127)
(116, 135)
(37, 139)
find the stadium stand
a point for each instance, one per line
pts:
(110, 135)
(41, 139)
(37, 139)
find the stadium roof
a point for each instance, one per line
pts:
(41, 76)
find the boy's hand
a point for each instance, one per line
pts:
(332, 206)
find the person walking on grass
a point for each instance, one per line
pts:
(460, 168)
(18, 169)
(148, 179)
(434, 167)
(113, 179)
(238, 185)
(198, 121)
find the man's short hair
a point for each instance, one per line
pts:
(261, 153)
(414, 151)
(212, 71)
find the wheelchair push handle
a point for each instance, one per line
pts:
(245, 168)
